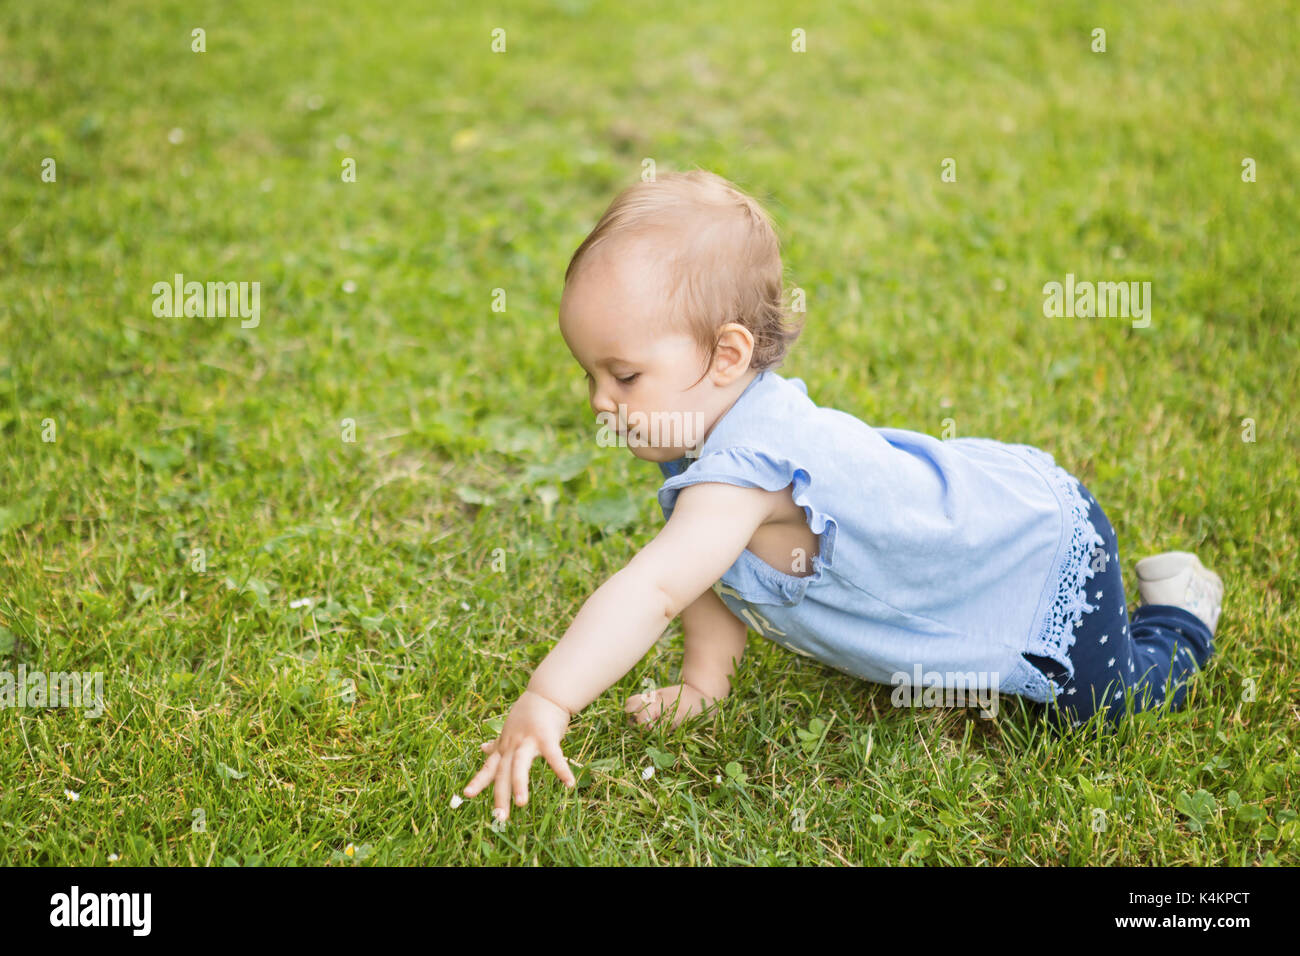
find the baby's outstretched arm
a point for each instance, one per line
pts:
(710, 525)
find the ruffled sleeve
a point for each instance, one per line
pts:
(752, 468)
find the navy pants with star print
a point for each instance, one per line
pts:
(1152, 655)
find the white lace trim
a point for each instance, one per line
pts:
(1073, 570)
(1034, 684)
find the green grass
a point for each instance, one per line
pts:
(481, 171)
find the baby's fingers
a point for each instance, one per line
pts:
(483, 776)
(641, 710)
(522, 763)
(557, 762)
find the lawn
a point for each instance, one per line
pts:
(315, 556)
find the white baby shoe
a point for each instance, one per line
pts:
(1179, 578)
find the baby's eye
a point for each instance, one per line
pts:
(630, 379)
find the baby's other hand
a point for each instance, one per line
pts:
(533, 728)
(646, 708)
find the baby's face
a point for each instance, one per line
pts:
(611, 317)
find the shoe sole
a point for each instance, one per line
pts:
(1179, 561)
(1158, 567)
(1161, 562)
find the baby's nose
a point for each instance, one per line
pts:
(600, 402)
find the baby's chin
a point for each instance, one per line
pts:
(656, 453)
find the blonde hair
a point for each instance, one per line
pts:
(721, 256)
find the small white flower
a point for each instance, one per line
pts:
(72, 794)
(456, 801)
(647, 773)
(349, 287)
(718, 778)
(113, 858)
(1111, 662)
(176, 136)
(301, 602)
(464, 606)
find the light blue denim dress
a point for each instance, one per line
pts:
(952, 557)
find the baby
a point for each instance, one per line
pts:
(888, 554)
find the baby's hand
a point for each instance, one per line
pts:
(535, 726)
(648, 707)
